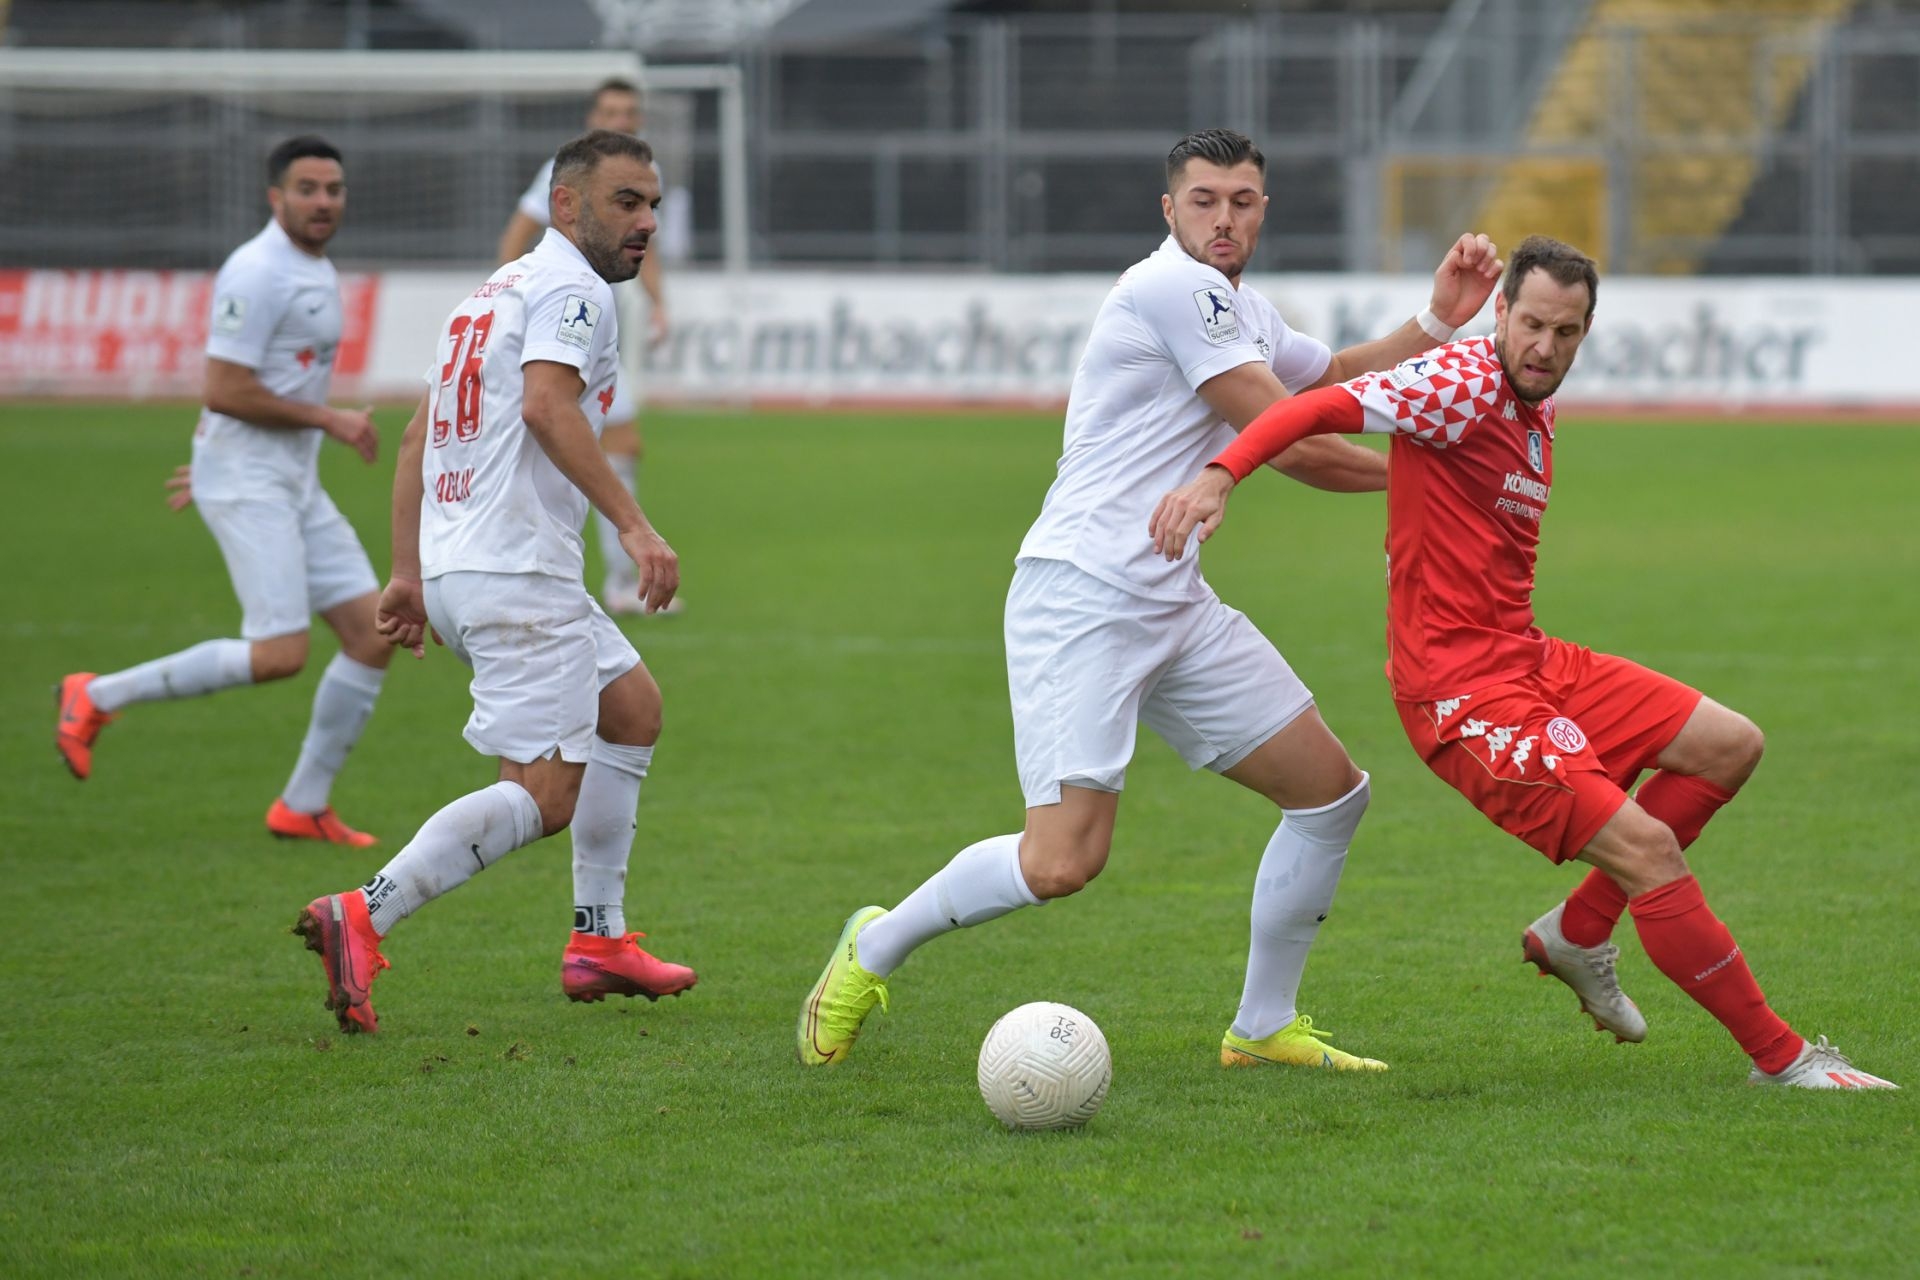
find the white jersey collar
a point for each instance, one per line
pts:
(554, 242)
(283, 243)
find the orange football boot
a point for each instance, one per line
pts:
(337, 927)
(80, 723)
(595, 967)
(290, 824)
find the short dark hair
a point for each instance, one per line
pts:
(1561, 261)
(281, 158)
(579, 158)
(1223, 147)
(613, 84)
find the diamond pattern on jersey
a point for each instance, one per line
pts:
(1435, 397)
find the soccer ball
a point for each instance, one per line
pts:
(1045, 1066)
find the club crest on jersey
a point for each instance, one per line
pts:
(1565, 734)
(1536, 453)
(1408, 372)
(578, 316)
(1216, 315)
(229, 313)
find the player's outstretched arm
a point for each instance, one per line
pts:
(1462, 284)
(551, 408)
(1243, 393)
(236, 390)
(401, 615)
(1201, 503)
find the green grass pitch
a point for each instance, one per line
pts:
(174, 1100)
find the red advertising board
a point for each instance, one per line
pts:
(132, 333)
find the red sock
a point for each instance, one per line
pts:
(1684, 803)
(1592, 910)
(1687, 942)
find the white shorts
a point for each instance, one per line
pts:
(1086, 661)
(541, 651)
(287, 562)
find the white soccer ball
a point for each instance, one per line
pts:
(1045, 1066)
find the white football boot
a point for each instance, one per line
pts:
(1589, 971)
(1821, 1066)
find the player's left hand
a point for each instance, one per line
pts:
(1201, 503)
(659, 566)
(401, 617)
(1465, 279)
(180, 488)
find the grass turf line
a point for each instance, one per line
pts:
(175, 1101)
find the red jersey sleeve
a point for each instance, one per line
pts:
(1285, 423)
(1435, 397)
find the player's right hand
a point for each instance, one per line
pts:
(659, 566)
(1200, 503)
(401, 617)
(354, 428)
(180, 488)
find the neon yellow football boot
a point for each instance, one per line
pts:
(831, 1016)
(1298, 1044)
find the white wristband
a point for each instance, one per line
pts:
(1431, 324)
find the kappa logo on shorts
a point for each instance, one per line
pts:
(578, 316)
(1216, 315)
(1565, 734)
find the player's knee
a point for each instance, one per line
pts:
(369, 651)
(1651, 859)
(631, 710)
(1746, 744)
(556, 813)
(278, 658)
(1062, 868)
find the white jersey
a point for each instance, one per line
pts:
(276, 310)
(494, 502)
(1136, 425)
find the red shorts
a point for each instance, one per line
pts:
(1548, 757)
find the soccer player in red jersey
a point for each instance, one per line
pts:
(1542, 736)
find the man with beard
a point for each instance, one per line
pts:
(615, 105)
(497, 470)
(275, 326)
(1100, 634)
(1542, 736)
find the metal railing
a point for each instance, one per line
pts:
(1035, 143)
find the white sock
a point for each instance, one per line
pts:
(469, 835)
(621, 572)
(341, 707)
(982, 883)
(208, 667)
(1291, 896)
(603, 827)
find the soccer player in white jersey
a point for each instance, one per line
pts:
(271, 340)
(496, 472)
(1101, 632)
(615, 105)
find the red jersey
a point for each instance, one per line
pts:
(1469, 472)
